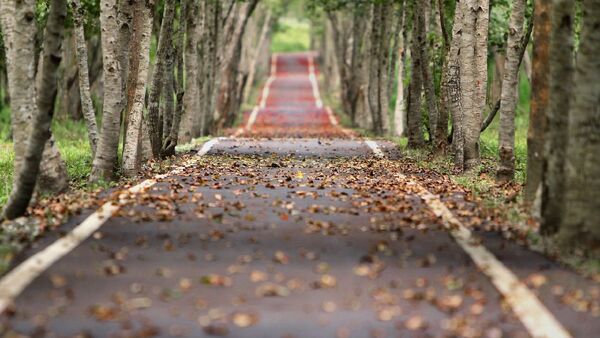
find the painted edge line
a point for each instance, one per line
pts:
(25, 273)
(537, 319)
(263, 100)
(313, 80)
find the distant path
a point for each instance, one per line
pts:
(294, 228)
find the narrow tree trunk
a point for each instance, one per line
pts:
(561, 80)
(47, 89)
(172, 128)
(87, 105)
(165, 47)
(579, 228)
(226, 110)
(400, 108)
(106, 153)
(415, 88)
(138, 76)
(266, 29)
(427, 77)
(379, 64)
(540, 97)
(510, 92)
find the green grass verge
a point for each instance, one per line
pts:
(291, 35)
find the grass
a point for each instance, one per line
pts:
(291, 35)
(71, 138)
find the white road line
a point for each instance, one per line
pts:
(21, 276)
(263, 100)
(313, 80)
(536, 318)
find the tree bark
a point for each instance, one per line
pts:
(89, 113)
(415, 87)
(579, 228)
(226, 108)
(265, 31)
(379, 64)
(561, 80)
(138, 75)
(400, 117)
(165, 47)
(191, 99)
(47, 89)
(540, 97)
(510, 92)
(105, 159)
(465, 80)
(427, 77)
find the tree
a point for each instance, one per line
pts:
(165, 48)
(561, 82)
(105, 160)
(136, 87)
(510, 93)
(539, 98)
(465, 81)
(89, 113)
(579, 226)
(20, 33)
(415, 87)
(39, 133)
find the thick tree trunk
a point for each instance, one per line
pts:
(580, 228)
(138, 75)
(510, 92)
(105, 159)
(191, 99)
(87, 105)
(561, 80)
(415, 87)
(452, 100)
(540, 97)
(47, 89)
(165, 48)
(474, 76)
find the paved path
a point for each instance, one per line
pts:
(295, 237)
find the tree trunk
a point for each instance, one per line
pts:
(510, 92)
(106, 153)
(138, 75)
(580, 228)
(225, 109)
(474, 76)
(540, 97)
(47, 89)
(379, 64)
(165, 48)
(265, 31)
(191, 99)
(400, 107)
(561, 80)
(415, 87)
(20, 41)
(427, 77)
(87, 105)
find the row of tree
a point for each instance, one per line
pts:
(191, 84)
(438, 52)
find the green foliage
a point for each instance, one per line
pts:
(291, 35)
